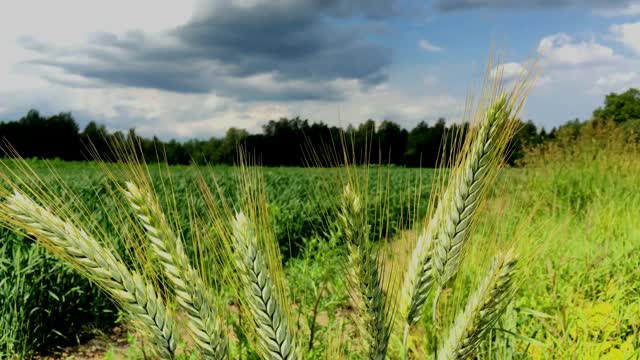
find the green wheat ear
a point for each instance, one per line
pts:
(261, 295)
(365, 273)
(466, 190)
(440, 247)
(75, 246)
(418, 280)
(191, 292)
(482, 311)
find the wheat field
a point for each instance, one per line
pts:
(474, 260)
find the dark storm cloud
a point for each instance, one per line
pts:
(224, 46)
(452, 5)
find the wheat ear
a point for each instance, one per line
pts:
(483, 309)
(191, 292)
(87, 255)
(465, 192)
(260, 294)
(448, 228)
(365, 274)
(418, 280)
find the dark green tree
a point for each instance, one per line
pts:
(620, 107)
(392, 140)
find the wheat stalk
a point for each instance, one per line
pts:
(365, 274)
(483, 309)
(260, 294)
(191, 292)
(87, 255)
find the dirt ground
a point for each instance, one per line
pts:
(94, 349)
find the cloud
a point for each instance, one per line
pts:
(578, 90)
(508, 71)
(561, 49)
(229, 64)
(628, 34)
(248, 50)
(619, 80)
(453, 5)
(581, 72)
(426, 45)
(511, 72)
(631, 9)
(150, 111)
(400, 105)
(198, 115)
(430, 80)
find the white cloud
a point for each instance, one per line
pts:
(508, 71)
(582, 73)
(169, 115)
(67, 24)
(511, 72)
(619, 80)
(381, 102)
(430, 80)
(632, 9)
(628, 34)
(68, 21)
(426, 45)
(561, 49)
(542, 80)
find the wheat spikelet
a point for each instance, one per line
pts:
(365, 274)
(190, 290)
(260, 295)
(483, 309)
(87, 255)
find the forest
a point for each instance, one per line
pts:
(284, 142)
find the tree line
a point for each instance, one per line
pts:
(283, 142)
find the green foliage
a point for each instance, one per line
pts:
(620, 107)
(43, 302)
(584, 189)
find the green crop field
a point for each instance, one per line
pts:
(65, 306)
(571, 214)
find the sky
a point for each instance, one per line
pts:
(192, 68)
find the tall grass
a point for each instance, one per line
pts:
(585, 186)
